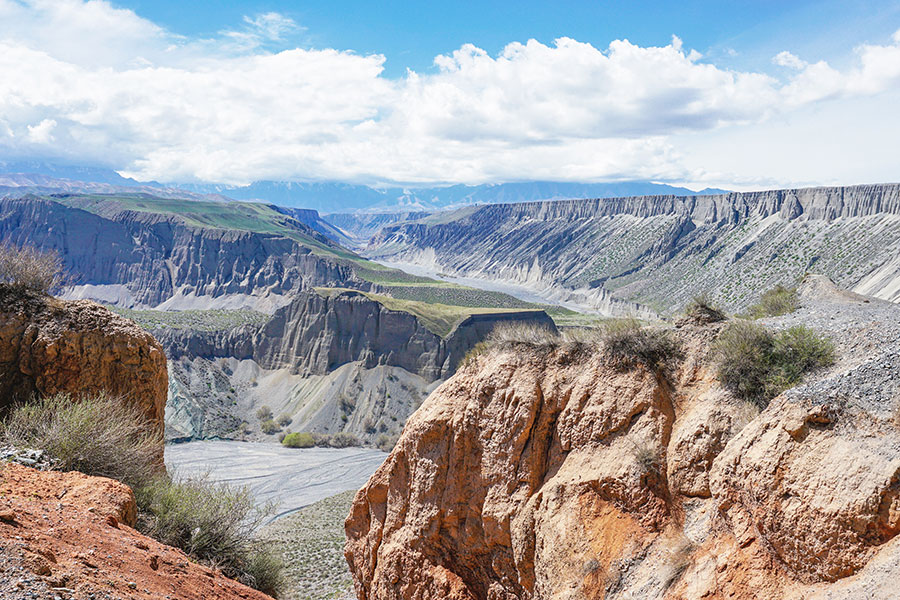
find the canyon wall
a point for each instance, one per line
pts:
(659, 251)
(547, 471)
(144, 259)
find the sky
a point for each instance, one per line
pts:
(742, 95)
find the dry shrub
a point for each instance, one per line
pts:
(702, 310)
(629, 344)
(299, 440)
(523, 333)
(212, 522)
(99, 435)
(27, 268)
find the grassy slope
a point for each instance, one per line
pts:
(437, 318)
(196, 320)
(439, 304)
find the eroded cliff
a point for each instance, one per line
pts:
(661, 250)
(50, 346)
(546, 472)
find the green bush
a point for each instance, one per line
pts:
(629, 344)
(264, 413)
(212, 522)
(99, 435)
(299, 440)
(27, 268)
(779, 300)
(757, 365)
(269, 427)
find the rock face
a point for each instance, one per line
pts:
(132, 258)
(67, 534)
(50, 346)
(545, 472)
(315, 334)
(339, 362)
(661, 250)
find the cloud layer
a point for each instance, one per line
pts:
(88, 82)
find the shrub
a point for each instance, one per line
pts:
(344, 439)
(28, 268)
(285, 420)
(628, 344)
(386, 442)
(523, 332)
(757, 365)
(212, 522)
(269, 427)
(264, 571)
(264, 413)
(702, 310)
(299, 440)
(472, 355)
(775, 302)
(99, 435)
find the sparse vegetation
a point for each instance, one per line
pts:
(779, 300)
(269, 427)
(757, 365)
(195, 320)
(212, 522)
(299, 440)
(702, 309)
(523, 332)
(386, 442)
(28, 268)
(629, 344)
(99, 435)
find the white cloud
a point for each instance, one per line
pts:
(786, 59)
(90, 82)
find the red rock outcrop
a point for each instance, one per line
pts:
(546, 473)
(49, 346)
(72, 536)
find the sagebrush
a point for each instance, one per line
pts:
(28, 268)
(99, 435)
(628, 344)
(779, 300)
(212, 522)
(757, 365)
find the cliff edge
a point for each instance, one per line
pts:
(541, 472)
(50, 346)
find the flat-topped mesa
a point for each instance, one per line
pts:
(611, 254)
(135, 258)
(815, 203)
(50, 346)
(315, 334)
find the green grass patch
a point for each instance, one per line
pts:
(779, 300)
(196, 320)
(437, 318)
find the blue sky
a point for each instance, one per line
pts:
(411, 34)
(744, 95)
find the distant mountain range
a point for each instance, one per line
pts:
(326, 197)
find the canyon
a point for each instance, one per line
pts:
(658, 251)
(543, 470)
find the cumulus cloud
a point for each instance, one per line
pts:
(85, 80)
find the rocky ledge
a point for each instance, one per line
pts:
(67, 535)
(541, 472)
(50, 346)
